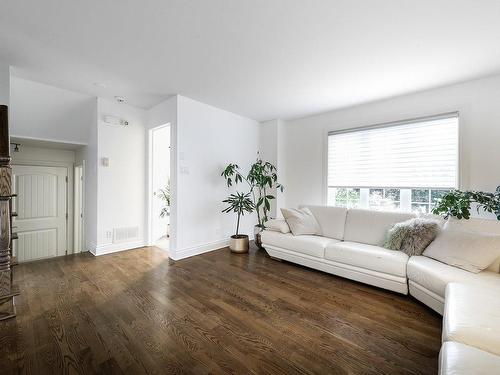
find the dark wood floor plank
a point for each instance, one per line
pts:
(135, 312)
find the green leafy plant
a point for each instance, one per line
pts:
(238, 203)
(457, 203)
(164, 195)
(261, 177)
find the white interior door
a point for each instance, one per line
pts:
(41, 206)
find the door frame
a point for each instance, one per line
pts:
(69, 193)
(79, 208)
(150, 191)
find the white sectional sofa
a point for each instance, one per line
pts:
(427, 278)
(471, 330)
(349, 245)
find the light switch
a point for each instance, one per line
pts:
(105, 162)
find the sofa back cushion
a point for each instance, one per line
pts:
(490, 226)
(370, 227)
(470, 251)
(301, 221)
(331, 220)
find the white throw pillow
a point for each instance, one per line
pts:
(470, 251)
(277, 225)
(301, 221)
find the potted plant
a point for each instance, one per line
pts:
(261, 177)
(164, 195)
(457, 203)
(239, 203)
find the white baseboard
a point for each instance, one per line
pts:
(200, 249)
(91, 247)
(196, 250)
(97, 250)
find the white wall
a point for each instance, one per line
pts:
(477, 102)
(163, 113)
(87, 156)
(268, 151)
(208, 139)
(281, 165)
(45, 112)
(272, 149)
(121, 185)
(4, 84)
(268, 141)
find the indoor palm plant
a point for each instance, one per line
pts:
(164, 195)
(239, 203)
(261, 178)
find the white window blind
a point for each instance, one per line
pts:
(418, 153)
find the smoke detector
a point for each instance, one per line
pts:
(120, 99)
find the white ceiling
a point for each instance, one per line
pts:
(262, 59)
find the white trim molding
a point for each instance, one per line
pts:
(110, 248)
(200, 249)
(196, 250)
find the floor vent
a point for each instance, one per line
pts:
(125, 234)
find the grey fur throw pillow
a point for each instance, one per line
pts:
(412, 236)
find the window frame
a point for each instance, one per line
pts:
(335, 130)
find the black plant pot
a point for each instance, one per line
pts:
(257, 231)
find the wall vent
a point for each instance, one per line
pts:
(125, 234)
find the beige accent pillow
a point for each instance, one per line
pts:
(301, 221)
(470, 251)
(277, 225)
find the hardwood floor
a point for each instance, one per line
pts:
(133, 313)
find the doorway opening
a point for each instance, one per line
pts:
(159, 194)
(45, 199)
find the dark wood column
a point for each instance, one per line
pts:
(7, 289)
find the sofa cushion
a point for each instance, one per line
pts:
(301, 221)
(460, 359)
(472, 316)
(331, 220)
(471, 251)
(277, 225)
(478, 225)
(434, 275)
(371, 257)
(306, 244)
(370, 227)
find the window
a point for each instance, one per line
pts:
(344, 197)
(400, 166)
(384, 199)
(422, 200)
